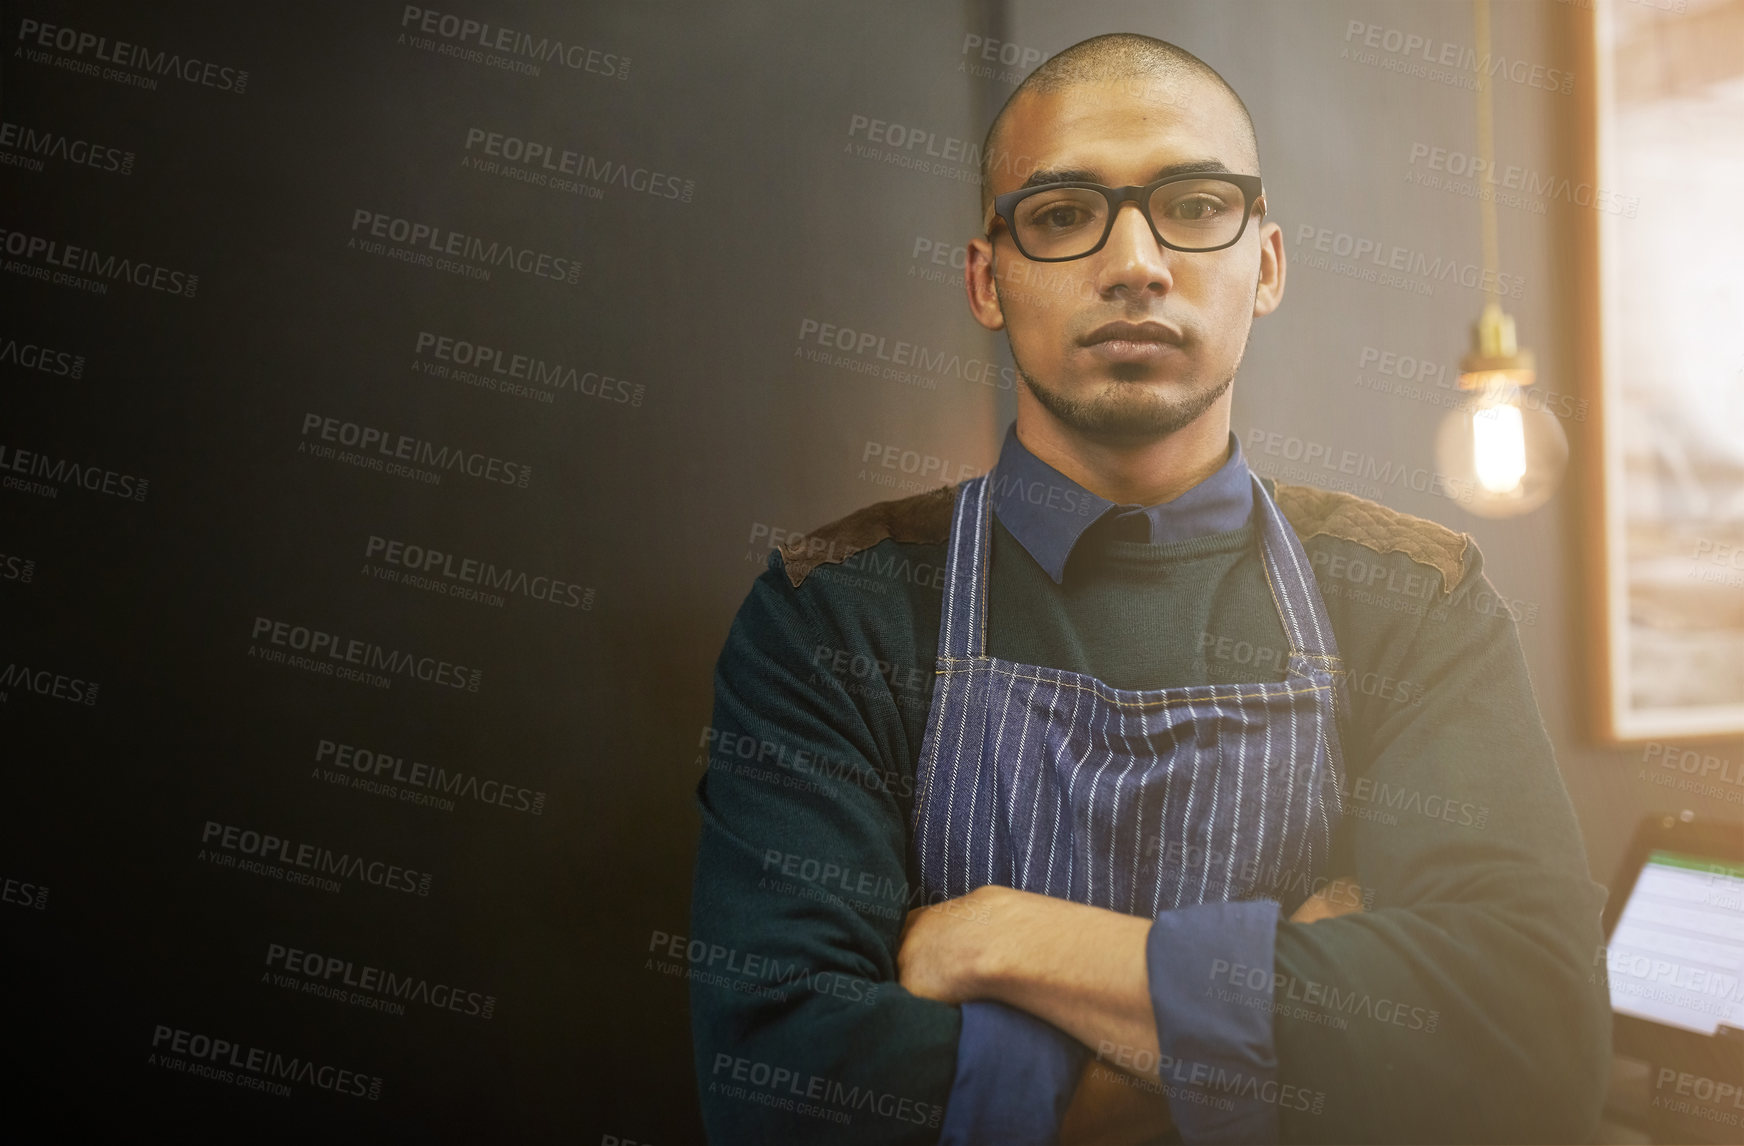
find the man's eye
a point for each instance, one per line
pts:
(1195, 208)
(1060, 215)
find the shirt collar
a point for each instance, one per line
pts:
(1048, 512)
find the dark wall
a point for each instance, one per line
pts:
(239, 421)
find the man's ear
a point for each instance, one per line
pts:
(981, 287)
(1269, 290)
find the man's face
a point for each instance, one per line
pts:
(1191, 311)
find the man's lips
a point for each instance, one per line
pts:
(1134, 342)
(1133, 332)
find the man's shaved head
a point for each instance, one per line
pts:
(1102, 59)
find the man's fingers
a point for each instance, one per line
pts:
(1111, 1108)
(1339, 897)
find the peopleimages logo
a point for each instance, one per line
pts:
(27, 355)
(330, 976)
(369, 445)
(14, 567)
(146, 65)
(869, 352)
(1368, 254)
(422, 243)
(256, 1068)
(49, 683)
(61, 472)
(415, 782)
(24, 893)
(472, 572)
(1412, 53)
(544, 164)
(482, 42)
(493, 368)
(27, 147)
(62, 263)
(325, 651)
(266, 848)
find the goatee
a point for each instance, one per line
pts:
(1126, 411)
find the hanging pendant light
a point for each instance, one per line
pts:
(1503, 453)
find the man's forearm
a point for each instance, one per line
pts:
(1083, 969)
(1080, 968)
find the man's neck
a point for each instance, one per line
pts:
(1130, 473)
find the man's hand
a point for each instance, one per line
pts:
(945, 947)
(1080, 968)
(1113, 1108)
(1339, 897)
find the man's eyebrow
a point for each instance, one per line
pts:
(1084, 175)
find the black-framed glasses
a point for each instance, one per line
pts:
(1195, 212)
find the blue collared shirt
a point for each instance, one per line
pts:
(1015, 1073)
(1049, 513)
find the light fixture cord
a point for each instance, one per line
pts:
(1487, 149)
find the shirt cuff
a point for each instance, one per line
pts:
(1210, 971)
(1015, 1077)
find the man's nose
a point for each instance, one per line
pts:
(1132, 258)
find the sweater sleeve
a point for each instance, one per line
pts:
(1463, 1007)
(1016, 1075)
(800, 1030)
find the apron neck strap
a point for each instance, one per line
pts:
(963, 633)
(1293, 587)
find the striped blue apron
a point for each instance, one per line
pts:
(1135, 800)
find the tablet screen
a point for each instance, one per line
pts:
(1676, 955)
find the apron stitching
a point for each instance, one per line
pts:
(1289, 802)
(1071, 789)
(1159, 702)
(980, 759)
(951, 592)
(1260, 844)
(1187, 816)
(1235, 811)
(1035, 810)
(1137, 831)
(1114, 792)
(1022, 741)
(1163, 830)
(968, 701)
(984, 565)
(1217, 718)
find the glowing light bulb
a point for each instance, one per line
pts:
(1498, 448)
(1500, 454)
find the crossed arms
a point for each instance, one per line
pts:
(1080, 968)
(1463, 1005)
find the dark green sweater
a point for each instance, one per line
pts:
(1460, 1008)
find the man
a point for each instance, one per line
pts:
(1168, 703)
